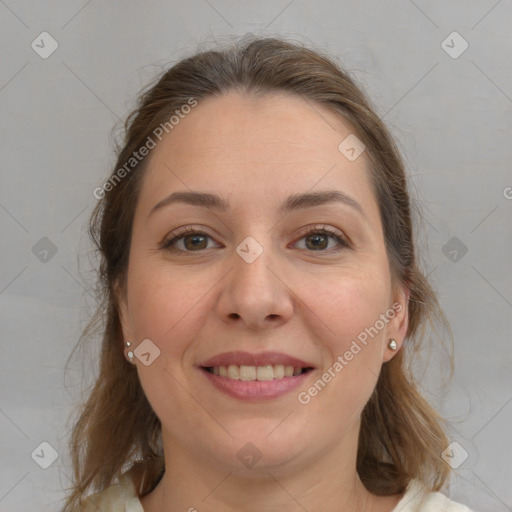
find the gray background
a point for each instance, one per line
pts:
(451, 117)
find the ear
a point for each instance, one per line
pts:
(397, 326)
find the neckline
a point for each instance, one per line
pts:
(414, 490)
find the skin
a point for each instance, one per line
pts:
(306, 302)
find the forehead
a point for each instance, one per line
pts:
(248, 145)
(237, 124)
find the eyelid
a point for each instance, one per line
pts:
(182, 232)
(343, 240)
(178, 234)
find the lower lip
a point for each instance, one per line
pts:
(256, 389)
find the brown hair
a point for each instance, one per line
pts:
(401, 436)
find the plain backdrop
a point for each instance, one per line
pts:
(438, 72)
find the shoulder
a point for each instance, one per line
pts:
(418, 498)
(118, 497)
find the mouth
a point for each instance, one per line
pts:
(257, 373)
(255, 376)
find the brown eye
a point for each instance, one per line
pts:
(187, 241)
(317, 239)
(192, 242)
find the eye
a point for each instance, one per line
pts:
(190, 239)
(193, 240)
(317, 239)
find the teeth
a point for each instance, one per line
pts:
(262, 373)
(278, 371)
(247, 373)
(233, 371)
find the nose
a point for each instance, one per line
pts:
(255, 294)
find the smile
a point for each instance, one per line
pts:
(259, 373)
(255, 376)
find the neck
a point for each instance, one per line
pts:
(192, 482)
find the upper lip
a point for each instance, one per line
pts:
(261, 359)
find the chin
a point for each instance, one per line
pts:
(255, 451)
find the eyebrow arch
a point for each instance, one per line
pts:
(293, 202)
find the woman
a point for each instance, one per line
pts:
(262, 291)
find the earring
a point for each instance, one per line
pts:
(130, 353)
(392, 344)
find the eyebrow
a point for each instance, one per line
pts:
(292, 202)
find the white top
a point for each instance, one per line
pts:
(121, 497)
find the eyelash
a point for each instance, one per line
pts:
(324, 230)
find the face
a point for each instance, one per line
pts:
(258, 287)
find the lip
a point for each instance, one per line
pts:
(261, 359)
(255, 390)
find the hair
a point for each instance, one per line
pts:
(401, 435)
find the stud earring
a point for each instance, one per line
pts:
(392, 344)
(130, 353)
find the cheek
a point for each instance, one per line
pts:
(348, 309)
(162, 301)
(347, 305)
(352, 358)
